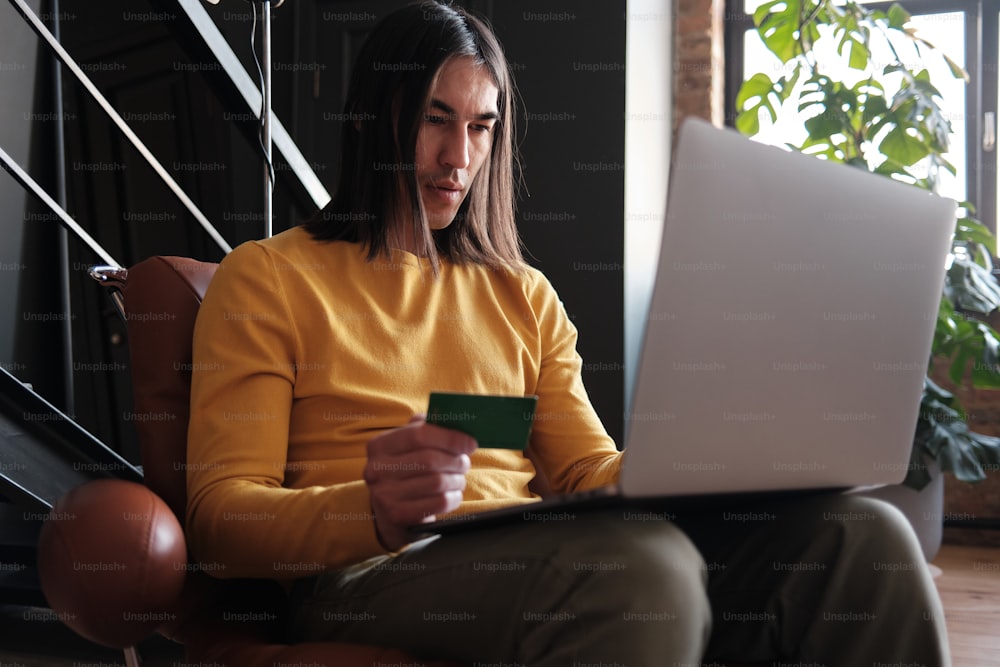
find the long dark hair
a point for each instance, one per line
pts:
(392, 79)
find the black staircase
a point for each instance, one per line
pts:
(43, 454)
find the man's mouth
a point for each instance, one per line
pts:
(447, 191)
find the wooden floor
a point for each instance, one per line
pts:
(969, 584)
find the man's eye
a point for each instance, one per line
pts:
(435, 120)
(482, 128)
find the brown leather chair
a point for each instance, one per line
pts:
(112, 558)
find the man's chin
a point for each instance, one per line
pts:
(437, 223)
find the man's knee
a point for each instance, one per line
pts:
(616, 543)
(651, 568)
(871, 525)
(607, 589)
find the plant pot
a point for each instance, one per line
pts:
(924, 509)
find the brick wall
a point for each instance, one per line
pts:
(699, 60)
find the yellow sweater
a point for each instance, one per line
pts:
(304, 351)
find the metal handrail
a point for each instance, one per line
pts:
(36, 24)
(27, 182)
(114, 279)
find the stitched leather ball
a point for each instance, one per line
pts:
(112, 560)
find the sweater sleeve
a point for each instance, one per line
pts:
(240, 518)
(568, 440)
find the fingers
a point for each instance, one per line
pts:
(414, 473)
(418, 449)
(410, 501)
(428, 485)
(420, 435)
(393, 520)
(418, 462)
(399, 503)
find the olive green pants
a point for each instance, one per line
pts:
(822, 580)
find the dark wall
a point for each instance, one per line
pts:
(569, 60)
(28, 303)
(569, 64)
(17, 126)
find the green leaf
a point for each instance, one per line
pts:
(786, 85)
(751, 98)
(891, 168)
(945, 330)
(748, 123)
(943, 434)
(898, 17)
(948, 166)
(759, 85)
(820, 148)
(971, 287)
(957, 70)
(917, 476)
(986, 370)
(875, 111)
(899, 146)
(923, 88)
(987, 448)
(982, 256)
(860, 56)
(959, 458)
(958, 365)
(968, 229)
(778, 26)
(937, 392)
(763, 10)
(870, 87)
(825, 125)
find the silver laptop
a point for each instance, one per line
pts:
(789, 330)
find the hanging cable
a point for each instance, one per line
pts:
(261, 116)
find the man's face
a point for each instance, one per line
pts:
(455, 137)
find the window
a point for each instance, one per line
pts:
(964, 29)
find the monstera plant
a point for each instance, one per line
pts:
(886, 117)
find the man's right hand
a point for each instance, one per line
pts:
(413, 474)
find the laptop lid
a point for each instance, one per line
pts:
(790, 325)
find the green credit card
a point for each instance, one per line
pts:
(494, 421)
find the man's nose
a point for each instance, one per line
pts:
(455, 151)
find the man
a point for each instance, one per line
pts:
(310, 460)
